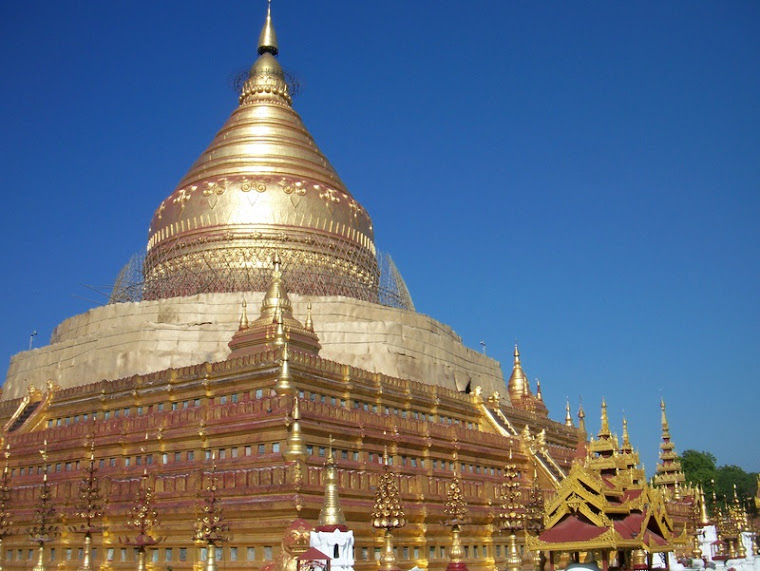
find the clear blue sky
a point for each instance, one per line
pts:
(583, 177)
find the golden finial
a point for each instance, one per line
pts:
(244, 316)
(568, 416)
(268, 37)
(581, 418)
(279, 332)
(604, 431)
(276, 296)
(308, 324)
(664, 421)
(331, 513)
(626, 447)
(704, 520)
(518, 385)
(539, 395)
(295, 443)
(283, 385)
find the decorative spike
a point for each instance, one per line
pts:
(539, 395)
(268, 37)
(581, 419)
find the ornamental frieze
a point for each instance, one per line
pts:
(295, 189)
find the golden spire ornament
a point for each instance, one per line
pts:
(309, 323)
(244, 316)
(210, 527)
(456, 513)
(296, 449)
(6, 523)
(568, 416)
(604, 430)
(283, 386)
(581, 419)
(388, 513)
(331, 514)
(268, 37)
(704, 519)
(626, 447)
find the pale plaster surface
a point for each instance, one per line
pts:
(120, 340)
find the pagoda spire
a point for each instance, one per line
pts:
(668, 474)
(581, 419)
(568, 416)
(518, 383)
(268, 37)
(295, 449)
(604, 430)
(539, 394)
(626, 447)
(704, 519)
(331, 514)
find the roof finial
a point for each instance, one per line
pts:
(568, 416)
(581, 418)
(283, 386)
(626, 447)
(664, 417)
(604, 431)
(268, 37)
(539, 395)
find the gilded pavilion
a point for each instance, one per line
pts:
(263, 363)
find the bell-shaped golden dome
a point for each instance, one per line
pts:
(262, 188)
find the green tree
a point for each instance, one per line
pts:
(699, 468)
(746, 486)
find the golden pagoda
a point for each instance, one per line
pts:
(262, 187)
(322, 408)
(605, 512)
(669, 474)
